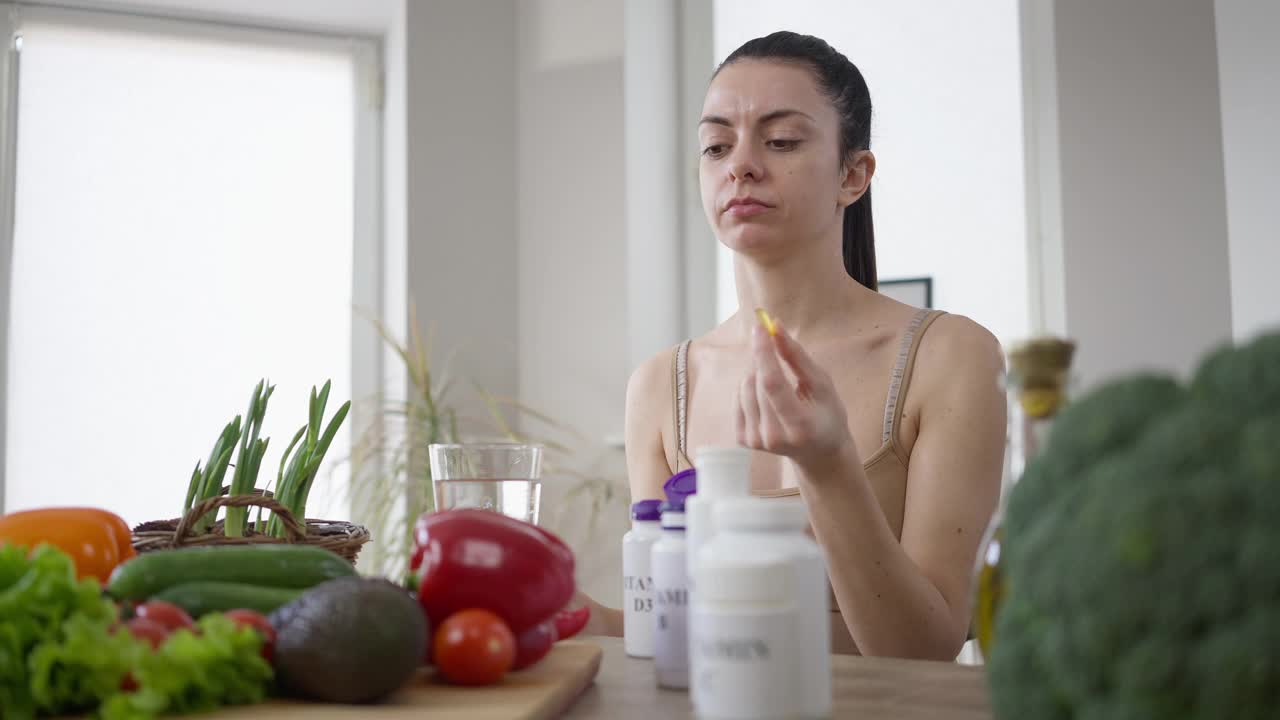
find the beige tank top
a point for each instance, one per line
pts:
(886, 468)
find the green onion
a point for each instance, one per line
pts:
(299, 464)
(249, 457)
(192, 488)
(298, 476)
(210, 484)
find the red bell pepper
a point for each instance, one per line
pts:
(570, 622)
(484, 559)
(533, 644)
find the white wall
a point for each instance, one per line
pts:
(651, 138)
(671, 252)
(945, 81)
(462, 190)
(1249, 77)
(1143, 210)
(572, 306)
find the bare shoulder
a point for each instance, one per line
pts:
(648, 413)
(650, 384)
(959, 356)
(958, 335)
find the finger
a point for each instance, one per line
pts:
(750, 413)
(768, 366)
(807, 371)
(739, 418)
(773, 388)
(772, 426)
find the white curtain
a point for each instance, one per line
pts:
(184, 227)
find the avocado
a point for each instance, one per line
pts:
(349, 640)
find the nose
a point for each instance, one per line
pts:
(744, 164)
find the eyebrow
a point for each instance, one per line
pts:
(765, 119)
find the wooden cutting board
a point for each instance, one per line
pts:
(542, 692)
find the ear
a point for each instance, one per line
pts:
(856, 177)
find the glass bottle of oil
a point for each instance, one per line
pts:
(1036, 384)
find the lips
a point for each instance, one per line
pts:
(746, 207)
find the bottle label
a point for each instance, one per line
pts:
(637, 599)
(671, 598)
(743, 665)
(637, 615)
(670, 601)
(637, 583)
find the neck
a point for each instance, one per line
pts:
(806, 291)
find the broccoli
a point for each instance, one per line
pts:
(1142, 552)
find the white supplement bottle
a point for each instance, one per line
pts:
(723, 472)
(751, 526)
(742, 649)
(637, 580)
(670, 600)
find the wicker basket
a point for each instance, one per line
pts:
(341, 538)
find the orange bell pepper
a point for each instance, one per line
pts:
(96, 540)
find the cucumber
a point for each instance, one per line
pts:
(278, 566)
(200, 598)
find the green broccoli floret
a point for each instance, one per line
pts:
(1142, 552)
(1088, 431)
(1245, 379)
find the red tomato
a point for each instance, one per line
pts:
(259, 622)
(167, 614)
(150, 630)
(474, 647)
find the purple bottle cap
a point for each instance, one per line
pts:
(681, 485)
(647, 510)
(673, 505)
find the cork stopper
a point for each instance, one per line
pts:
(1040, 369)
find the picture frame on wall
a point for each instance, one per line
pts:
(916, 291)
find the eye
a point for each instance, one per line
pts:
(783, 145)
(714, 151)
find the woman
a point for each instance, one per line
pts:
(888, 421)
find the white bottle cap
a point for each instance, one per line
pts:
(673, 520)
(723, 472)
(752, 513)
(743, 580)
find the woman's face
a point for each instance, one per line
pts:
(770, 167)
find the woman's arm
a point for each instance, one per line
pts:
(647, 413)
(908, 598)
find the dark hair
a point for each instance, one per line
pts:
(842, 83)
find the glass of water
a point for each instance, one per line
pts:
(504, 477)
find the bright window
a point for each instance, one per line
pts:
(184, 226)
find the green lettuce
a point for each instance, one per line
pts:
(39, 592)
(62, 651)
(222, 665)
(88, 662)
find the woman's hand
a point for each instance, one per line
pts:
(603, 620)
(788, 405)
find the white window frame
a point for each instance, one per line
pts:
(1046, 282)
(368, 261)
(8, 168)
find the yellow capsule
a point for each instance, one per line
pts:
(766, 322)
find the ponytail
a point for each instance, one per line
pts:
(860, 243)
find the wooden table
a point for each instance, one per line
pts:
(864, 688)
